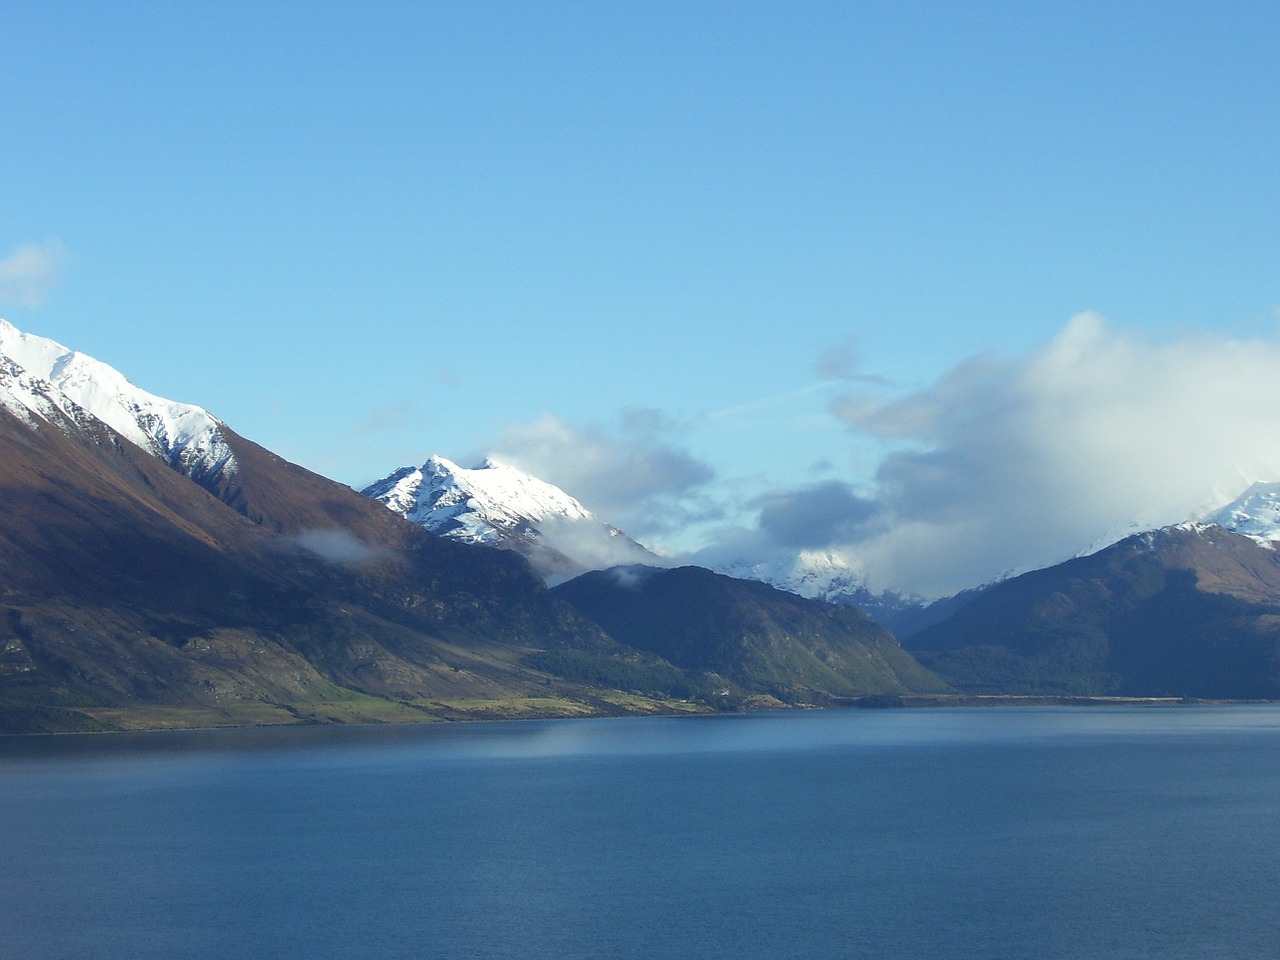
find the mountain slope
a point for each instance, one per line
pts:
(133, 595)
(1189, 611)
(185, 436)
(761, 639)
(1254, 514)
(499, 506)
(130, 594)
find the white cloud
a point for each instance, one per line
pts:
(337, 546)
(29, 272)
(1004, 463)
(1011, 463)
(630, 474)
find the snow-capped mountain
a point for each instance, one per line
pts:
(41, 375)
(817, 574)
(1254, 514)
(821, 575)
(498, 505)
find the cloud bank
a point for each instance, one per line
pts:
(631, 474)
(28, 273)
(1010, 463)
(1003, 464)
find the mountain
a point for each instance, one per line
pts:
(1185, 611)
(821, 575)
(157, 569)
(496, 505)
(752, 638)
(1254, 514)
(186, 437)
(131, 595)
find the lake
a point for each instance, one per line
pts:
(1084, 832)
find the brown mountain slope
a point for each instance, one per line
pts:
(1191, 612)
(130, 594)
(758, 638)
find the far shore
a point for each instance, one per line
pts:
(887, 701)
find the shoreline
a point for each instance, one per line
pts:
(928, 700)
(871, 702)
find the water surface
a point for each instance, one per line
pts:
(1090, 832)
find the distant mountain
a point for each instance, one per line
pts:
(1186, 611)
(821, 575)
(1254, 514)
(754, 638)
(496, 505)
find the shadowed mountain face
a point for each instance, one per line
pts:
(131, 595)
(758, 638)
(1185, 611)
(126, 586)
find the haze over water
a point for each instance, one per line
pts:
(1036, 833)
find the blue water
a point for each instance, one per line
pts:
(989, 833)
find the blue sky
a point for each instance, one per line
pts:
(691, 261)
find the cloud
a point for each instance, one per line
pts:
(587, 547)
(1016, 462)
(841, 361)
(336, 546)
(630, 473)
(631, 577)
(29, 272)
(815, 517)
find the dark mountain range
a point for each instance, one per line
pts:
(1189, 611)
(751, 637)
(164, 571)
(130, 594)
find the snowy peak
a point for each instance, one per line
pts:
(498, 505)
(32, 400)
(821, 575)
(815, 574)
(183, 435)
(1254, 514)
(482, 504)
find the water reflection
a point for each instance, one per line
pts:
(632, 736)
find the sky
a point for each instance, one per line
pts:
(947, 290)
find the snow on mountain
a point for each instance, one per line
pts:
(497, 505)
(816, 574)
(1255, 513)
(482, 503)
(53, 376)
(820, 575)
(32, 400)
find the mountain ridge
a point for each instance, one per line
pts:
(185, 436)
(497, 505)
(133, 594)
(1191, 610)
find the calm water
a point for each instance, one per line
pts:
(998, 833)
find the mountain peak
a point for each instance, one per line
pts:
(1254, 514)
(185, 436)
(499, 505)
